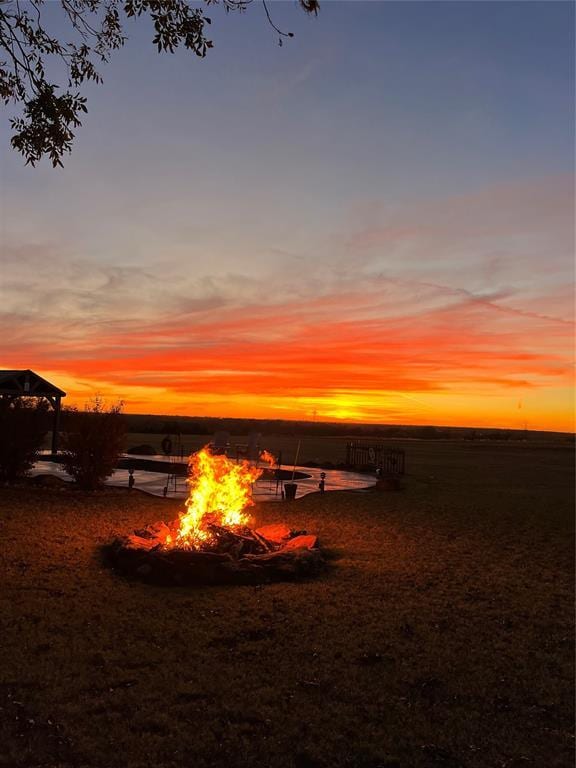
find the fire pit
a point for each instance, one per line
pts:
(212, 541)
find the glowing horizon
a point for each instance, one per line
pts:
(372, 355)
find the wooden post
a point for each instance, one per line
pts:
(55, 425)
(296, 460)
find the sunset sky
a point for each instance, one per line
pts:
(373, 222)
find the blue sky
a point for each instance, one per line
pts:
(424, 142)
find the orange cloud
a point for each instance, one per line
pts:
(446, 313)
(300, 356)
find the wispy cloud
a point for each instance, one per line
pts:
(328, 337)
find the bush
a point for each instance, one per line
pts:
(23, 427)
(93, 443)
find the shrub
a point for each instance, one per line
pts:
(23, 427)
(93, 443)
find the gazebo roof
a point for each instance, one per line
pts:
(27, 383)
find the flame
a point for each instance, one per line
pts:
(220, 494)
(268, 458)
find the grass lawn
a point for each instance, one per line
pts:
(442, 636)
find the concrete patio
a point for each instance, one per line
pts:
(264, 490)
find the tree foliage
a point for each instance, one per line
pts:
(23, 427)
(93, 442)
(32, 58)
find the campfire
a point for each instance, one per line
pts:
(213, 541)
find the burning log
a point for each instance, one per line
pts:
(275, 533)
(302, 541)
(211, 542)
(235, 558)
(267, 545)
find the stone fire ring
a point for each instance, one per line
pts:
(268, 554)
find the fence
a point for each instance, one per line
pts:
(389, 461)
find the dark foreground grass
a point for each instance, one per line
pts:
(441, 637)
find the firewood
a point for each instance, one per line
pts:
(276, 533)
(269, 546)
(138, 542)
(233, 556)
(308, 542)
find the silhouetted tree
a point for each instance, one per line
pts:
(93, 442)
(50, 116)
(23, 427)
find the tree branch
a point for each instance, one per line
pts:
(49, 116)
(274, 27)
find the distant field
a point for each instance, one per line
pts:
(311, 448)
(423, 455)
(424, 458)
(442, 637)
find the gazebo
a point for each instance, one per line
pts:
(29, 384)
